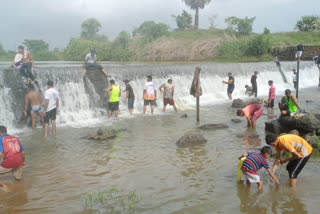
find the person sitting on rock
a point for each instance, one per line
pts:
(91, 62)
(288, 104)
(252, 112)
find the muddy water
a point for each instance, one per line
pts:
(144, 157)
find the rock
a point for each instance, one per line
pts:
(191, 139)
(294, 131)
(311, 139)
(275, 127)
(236, 120)
(103, 135)
(239, 103)
(305, 124)
(213, 126)
(184, 116)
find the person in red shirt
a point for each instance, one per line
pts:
(254, 83)
(272, 94)
(252, 112)
(13, 154)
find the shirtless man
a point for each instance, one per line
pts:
(33, 97)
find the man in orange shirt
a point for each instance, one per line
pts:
(297, 146)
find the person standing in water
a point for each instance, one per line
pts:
(272, 94)
(90, 61)
(316, 60)
(149, 95)
(230, 84)
(254, 83)
(33, 98)
(252, 113)
(51, 105)
(288, 104)
(299, 51)
(114, 93)
(168, 93)
(13, 154)
(294, 79)
(129, 96)
(295, 145)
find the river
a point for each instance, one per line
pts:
(144, 157)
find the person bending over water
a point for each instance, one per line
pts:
(51, 105)
(230, 84)
(255, 161)
(13, 154)
(295, 145)
(252, 112)
(288, 104)
(34, 99)
(168, 93)
(114, 93)
(90, 61)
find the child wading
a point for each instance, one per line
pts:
(253, 162)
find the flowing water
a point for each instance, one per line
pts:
(144, 156)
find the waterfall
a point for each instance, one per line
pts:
(79, 107)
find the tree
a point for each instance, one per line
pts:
(2, 51)
(196, 5)
(36, 45)
(90, 29)
(184, 20)
(308, 24)
(120, 47)
(151, 30)
(241, 26)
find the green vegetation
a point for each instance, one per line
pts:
(112, 201)
(153, 41)
(196, 5)
(308, 24)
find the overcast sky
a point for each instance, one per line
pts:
(56, 21)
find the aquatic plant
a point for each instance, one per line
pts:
(112, 201)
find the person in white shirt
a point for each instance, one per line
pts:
(51, 104)
(91, 61)
(149, 95)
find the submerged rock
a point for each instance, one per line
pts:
(184, 116)
(102, 135)
(190, 139)
(236, 120)
(213, 126)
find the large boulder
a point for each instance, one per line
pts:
(239, 103)
(191, 138)
(304, 124)
(275, 127)
(213, 127)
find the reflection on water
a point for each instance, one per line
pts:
(144, 157)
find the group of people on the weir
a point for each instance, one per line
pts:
(149, 96)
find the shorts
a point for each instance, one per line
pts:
(230, 89)
(298, 54)
(16, 172)
(113, 106)
(167, 101)
(36, 109)
(257, 114)
(294, 167)
(149, 102)
(271, 105)
(252, 178)
(131, 102)
(50, 115)
(90, 65)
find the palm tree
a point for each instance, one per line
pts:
(195, 5)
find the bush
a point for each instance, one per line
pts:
(151, 30)
(308, 24)
(184, 21)
(258, 45)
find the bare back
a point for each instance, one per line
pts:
(34, 98)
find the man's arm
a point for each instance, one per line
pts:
(23, 156)
(295, 156)
(294, 99)
(144, 93)
(120, 94)
(0, 154)
(155, 94)
(272, 176)
(276, 162)
(46, 103)
(172, 91)
(108, 90)
(57, 102)
(160, 88)
(249, 121)
(26, 101)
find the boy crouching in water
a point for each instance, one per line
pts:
(253, 162)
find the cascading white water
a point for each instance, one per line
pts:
(79, 108)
